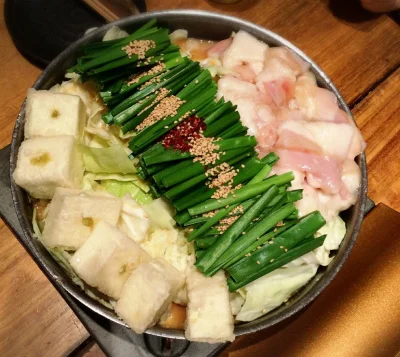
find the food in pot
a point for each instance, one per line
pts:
(189, 173)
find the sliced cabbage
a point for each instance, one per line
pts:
(335, 231)
(133, 221)
(107, 160)
(102, 137)
(236, 301)
(121, 188)
(172, 246)
(271, 290)
(118, 185)
(89, 177)
(128, 135)
(160, 213)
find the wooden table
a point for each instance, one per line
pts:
(358, 50)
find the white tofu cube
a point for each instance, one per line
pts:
(107, 259)
(209, 315)
(171, 274)
(51, 114)
(46, 163)
(73, 214)
(147, 294)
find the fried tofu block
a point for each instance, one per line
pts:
(46, 163)
(51, 114)
(148, 293)
(73, 214)
(209, 315)
(107, 259)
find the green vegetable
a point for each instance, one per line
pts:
(234, 231)
(107, 160)
(90, 178)
(210, 222)
(251, 235)
(120, 189)
(242, 194)
(292, 237)
(204, 243)
(259, 242)
(182, 217)
(293, 254)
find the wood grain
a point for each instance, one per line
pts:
(16, 75)
(112, 10)
(355, 52)
(34, 320)
(378, 117)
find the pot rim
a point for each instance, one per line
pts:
(307, 293)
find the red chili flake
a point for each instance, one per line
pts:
(178, 138)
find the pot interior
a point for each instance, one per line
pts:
(203, 25)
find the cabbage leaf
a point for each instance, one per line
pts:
(271, 290)
(134, 221)
(161, 214)
(121, 188)
(107, 160)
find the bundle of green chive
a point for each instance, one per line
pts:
(267, 233)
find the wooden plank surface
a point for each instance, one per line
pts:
(16, 75)
(378, 116)
(34, 320)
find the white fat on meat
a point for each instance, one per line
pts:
(232, 88)
(317, 137)
(257, 116)
(316, 103)
(288, 113)
(216, 50)
(242, 94)
(276, 69)
(351, 177)
(245, 49)
(289, 58)
(266, 132)
(277, 80)
(325, 171)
